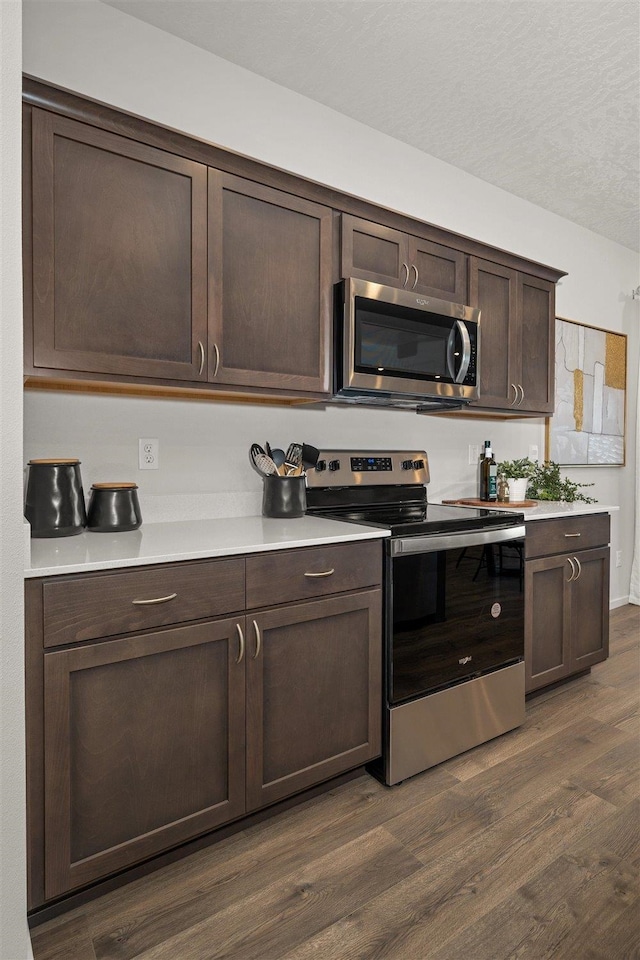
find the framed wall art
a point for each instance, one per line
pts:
(588, 426)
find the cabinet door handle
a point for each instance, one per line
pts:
(406, 279)
(141, 603)
(573, 570)
(241, 639)
(573, 534)
(415, 282)
(323, 573)
(258, 640)
(579, 567)
(201, 349)
(515, 395)
(217, 363)
(521, 394)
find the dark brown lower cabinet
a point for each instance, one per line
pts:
(144, 748)
(566, 615)
(148, 734)
(313, 693)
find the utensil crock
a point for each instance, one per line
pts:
(284, 497)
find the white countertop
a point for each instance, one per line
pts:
(186, 540)
(550, 509)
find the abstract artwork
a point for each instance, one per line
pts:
(587, 428)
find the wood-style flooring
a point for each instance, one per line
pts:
(525, 848)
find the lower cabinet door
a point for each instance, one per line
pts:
(547, 621)
(590, 608)
(313, 693)
(144, 747)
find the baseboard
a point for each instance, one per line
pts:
(618, 602)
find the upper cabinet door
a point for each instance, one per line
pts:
(119, 255)
(270, 287)
(536, 310)
(371, 251)
(437, 271)
(493, 289)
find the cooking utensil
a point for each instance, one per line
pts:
(309, 456)
(265, 465)
(255, 450)
(293, 458)
(277, 455)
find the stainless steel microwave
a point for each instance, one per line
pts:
(400, 348)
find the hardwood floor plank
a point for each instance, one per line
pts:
(450, 819)
(615, 776)
(453, 892)
(69, 940)
(546, 916)
(274, 920)
(194, 889)
(618, 836)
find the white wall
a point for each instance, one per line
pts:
(14, 936)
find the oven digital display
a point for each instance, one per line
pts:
(364, 464)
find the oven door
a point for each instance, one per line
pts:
(455, 609)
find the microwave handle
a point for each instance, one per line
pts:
(466, 352)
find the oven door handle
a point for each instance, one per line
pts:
(453, 541)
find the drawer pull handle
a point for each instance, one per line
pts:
(258, 640)
(573, 534)
(171, 596)
(573, 570)
(323, 573)
(241, 639)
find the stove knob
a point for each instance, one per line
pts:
(407, 464)
(418, 464)
(321, 465)
(334, 464)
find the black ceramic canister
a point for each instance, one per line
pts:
(284, 497)
(54, 504)
(113, 508)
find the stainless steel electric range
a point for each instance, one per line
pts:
(453, 602)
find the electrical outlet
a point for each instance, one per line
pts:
(148, 454)
(618, 558)
(533, 451)
(474, 454)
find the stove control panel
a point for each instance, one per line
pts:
(355, 468)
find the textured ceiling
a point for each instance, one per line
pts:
(539, 97)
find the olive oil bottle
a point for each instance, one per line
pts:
(488, 475)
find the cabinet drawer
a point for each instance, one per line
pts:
(566, 535)
(84, 608)
(301, 574)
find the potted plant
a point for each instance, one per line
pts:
(546, 484)
(517, 474)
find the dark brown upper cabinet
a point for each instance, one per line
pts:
(119, 255)
(270, 287)
(151, 267)
(372, 251)
(517, 346)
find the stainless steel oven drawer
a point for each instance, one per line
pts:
(435, 728)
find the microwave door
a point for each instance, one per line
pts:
(458, 360)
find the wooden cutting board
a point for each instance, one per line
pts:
(488, 504)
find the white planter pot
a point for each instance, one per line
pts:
(517, 489)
